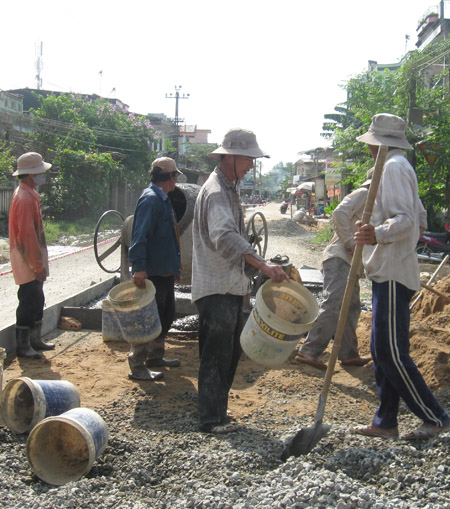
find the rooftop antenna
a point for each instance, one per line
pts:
(39, 65)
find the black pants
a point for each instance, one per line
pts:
(31, 303)
(220, 327)
(165, 302)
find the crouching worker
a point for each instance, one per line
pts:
(155, 255)
(29, 255)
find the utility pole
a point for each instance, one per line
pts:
(177, 121)
(39, 65)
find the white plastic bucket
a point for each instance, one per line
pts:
(281, 316)
(136, 312)
(63, 448)
(24, 402)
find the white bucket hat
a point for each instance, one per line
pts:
(239, 142)
(31, 163)
(386, 129)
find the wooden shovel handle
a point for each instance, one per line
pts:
(351, 280)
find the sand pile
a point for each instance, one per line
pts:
(429, 333)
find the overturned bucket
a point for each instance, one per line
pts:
(63, 448)
(24, 402)
(136, 311)
(282, 314)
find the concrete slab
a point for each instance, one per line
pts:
(311, 276)
(52, 313)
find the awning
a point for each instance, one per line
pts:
(306, 186)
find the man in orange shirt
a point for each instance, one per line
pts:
(29, 256)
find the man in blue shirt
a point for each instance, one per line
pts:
(155, 255)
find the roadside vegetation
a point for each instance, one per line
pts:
(58, 231)
(324, 234)
(420, 97)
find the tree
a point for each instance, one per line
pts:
(6, 161)
(196, 156)
(410, 89)
(275, 182)
(92, 143)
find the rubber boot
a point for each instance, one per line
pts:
(140, 372)
(36, 339)
(23, 346)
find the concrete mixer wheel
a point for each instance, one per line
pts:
(257, 233)
(115, 245)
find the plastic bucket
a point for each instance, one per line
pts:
(281, 316)
(136, 312)
(2, 365)
(110, 326)
(25, 402)
(63, 448)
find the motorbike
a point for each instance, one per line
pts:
(284, 206)
(433, 246)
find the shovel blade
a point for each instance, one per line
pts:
(305, 440)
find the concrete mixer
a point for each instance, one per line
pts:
(183, 202)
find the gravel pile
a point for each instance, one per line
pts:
(157, 459)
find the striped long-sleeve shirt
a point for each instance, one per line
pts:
(219, 242)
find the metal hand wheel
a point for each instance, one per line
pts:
(109, 225)
(257, 233)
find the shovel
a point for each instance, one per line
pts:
(307, 438)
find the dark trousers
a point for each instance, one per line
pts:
(220, 327)
(396, 375)
(31, 303)
(165, 302)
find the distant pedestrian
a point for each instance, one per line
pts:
(337, 259)
(390, 261)
(222, 262)
(155, 255)
(29, 255)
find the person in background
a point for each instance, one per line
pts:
(390, 261)
(29, 255)
(337, 259)
(222, 264)
(155, 255)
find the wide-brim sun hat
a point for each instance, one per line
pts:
(386, 129)
(164, 165)
(31, 163)
(239, 142)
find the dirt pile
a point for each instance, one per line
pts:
(429, 333)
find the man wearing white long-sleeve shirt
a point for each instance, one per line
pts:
(337, 259)
(390, 261)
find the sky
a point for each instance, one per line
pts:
(274, 67)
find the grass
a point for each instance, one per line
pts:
(324, 234)
(55, 230)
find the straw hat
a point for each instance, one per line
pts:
(239, 142)
(31, 163)
(386, 129)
